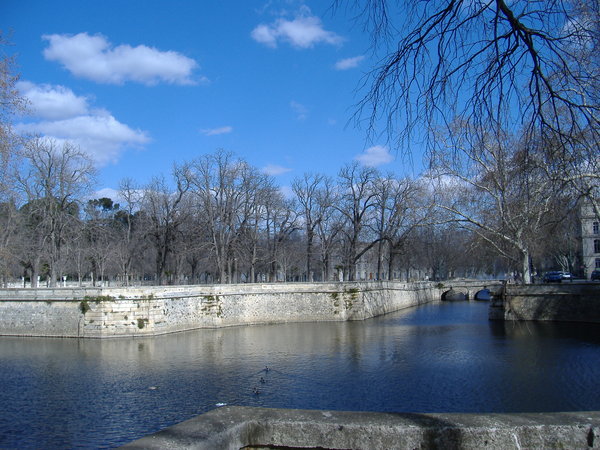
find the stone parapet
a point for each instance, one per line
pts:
(246, 427)
(565, 302)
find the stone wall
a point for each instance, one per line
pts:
(566, 302)
(135, 311)
(260, 428)
(41, 318)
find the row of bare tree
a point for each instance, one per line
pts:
(504, 93)
(483, 207)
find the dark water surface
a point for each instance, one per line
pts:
(63, 393)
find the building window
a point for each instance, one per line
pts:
(596, 227)
(596, 245)
(597, 263)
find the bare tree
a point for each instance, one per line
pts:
(166, 210)
(401, 206)
(259, 193)
(496, 187)
(280, 223)
(357, 197)
(8, 225)
(329, 226)
(493, 65)
(307, 191)
(53, 179)
(487, 62)
(100, 235)
(11, 103)
(194, 247)
(216, 192)
(128, 222)
(440, 250)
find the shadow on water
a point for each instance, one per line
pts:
(585, 333)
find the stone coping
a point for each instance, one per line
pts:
(183, 291)
(236, 427)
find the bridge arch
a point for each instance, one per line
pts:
(483, 295)
(455, 295)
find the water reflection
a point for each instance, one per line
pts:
(444, 357)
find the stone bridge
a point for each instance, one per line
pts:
(457, 290)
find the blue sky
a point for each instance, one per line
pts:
(140, 85)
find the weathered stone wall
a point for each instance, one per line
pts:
(244, 427)
(38, 317)
(567, 302)
(112, 312)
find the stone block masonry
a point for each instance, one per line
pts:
(562, 302)
(149, 311)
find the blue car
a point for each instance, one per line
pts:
(553, 277)
(567, 276)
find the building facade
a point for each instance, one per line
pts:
(590, 239)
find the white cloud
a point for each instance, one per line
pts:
(64, 116)
(287, 192)
(52, 102)
(274, 170)
(303, 32)
(94, 58)
(217, 131)
(265, 35)
(111, 193)
(375, 156)
(348, 63)
(300, 110)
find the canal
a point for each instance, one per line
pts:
(65, 393)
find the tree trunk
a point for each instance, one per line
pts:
(379, 260)
(309, 251)
(325, 268)
(526, 267)
(253, 265)
(229, 271)
(392, 256)
(52, 275)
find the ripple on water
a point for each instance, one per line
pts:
(68, 393)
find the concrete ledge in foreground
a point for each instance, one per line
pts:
(237, 427)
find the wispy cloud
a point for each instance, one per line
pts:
(375, 156)
(94, 58)
(57, 112)
(299, 109)
(348, 63)
(216, 131)
(274, 170)
(305, 31)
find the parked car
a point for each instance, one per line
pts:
(595, 275)
(553, 277)
(567, 276)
